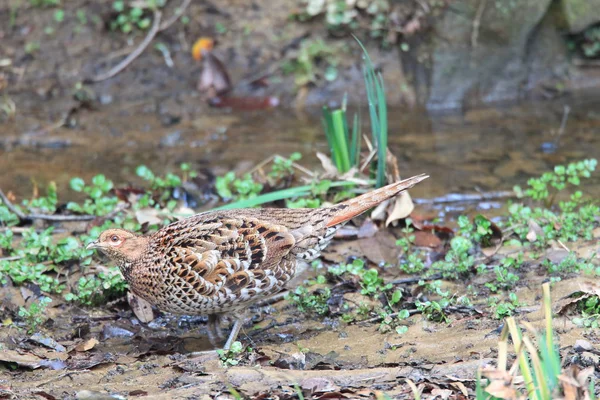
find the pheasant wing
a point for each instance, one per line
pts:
(221, 262)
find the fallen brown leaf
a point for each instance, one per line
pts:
(87, 345)
(141, 308)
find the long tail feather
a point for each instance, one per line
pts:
(362, 203)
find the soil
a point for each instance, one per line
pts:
(152, 114)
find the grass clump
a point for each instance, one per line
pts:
(573, 219)
(131, 16)
(536, 372)
(34, 315)
(344, 144)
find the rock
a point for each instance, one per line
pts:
(171, 139)
(503, 57)
(580, 14)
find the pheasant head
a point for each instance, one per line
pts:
(120, 245)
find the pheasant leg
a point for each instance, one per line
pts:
(234, 333)
(215, 333)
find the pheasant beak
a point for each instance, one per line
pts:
(93, 245)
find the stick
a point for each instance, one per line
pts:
(477, 23)
(178, 13)
(134, 54)
(156, 27)
(46, 217)
(455, 198)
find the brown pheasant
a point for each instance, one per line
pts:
(222, 261)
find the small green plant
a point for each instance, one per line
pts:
(549, 184)
(32, 47)
(370, 282)
(283, 167)
(161, 187)
(457, 262)
(7, 218)
(434, 310)
(98, 201)
(505, 278)
(590, 313)
(44, 3)
(395, 321)
(231, 357)
(131, 17)
(311, 301)
(504, 309)
(572, 264)
(479, 231)
(412, 260)
(304, 66)
(377, 113)
(229, 187)
(92, 290)
(589, 42)
(46, 204)
(35, 315)
(574, 218)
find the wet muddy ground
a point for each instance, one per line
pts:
(106, 352)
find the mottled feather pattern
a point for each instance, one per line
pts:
(222, 261)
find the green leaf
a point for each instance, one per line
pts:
(77, 184)
(144, 172)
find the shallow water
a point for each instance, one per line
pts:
(480, 150)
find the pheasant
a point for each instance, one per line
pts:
(220, 262)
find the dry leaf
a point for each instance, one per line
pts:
(22, 360)
(442, 393)
(149, 216)
(402, 207)
(367, 229)
(426, 239)
(330, 169)
(87, 345)
(214, 78)
(316, 384)
(501, 389)
(141, 308)
(534, 231)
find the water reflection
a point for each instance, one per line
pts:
(487, 149)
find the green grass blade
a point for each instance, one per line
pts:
(355, 143)
(549, 352)
(330, 134)
(525, 368)
(278, 195)
(382, 134)
(340, 129)
(377, 112)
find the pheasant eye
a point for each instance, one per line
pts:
(114, 238)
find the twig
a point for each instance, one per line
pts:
(46, 217)
(455, 198)
(477, 23)
(14, 258)
(10, 206)
(563, 246)
(157, 26)
(59, 377)
(178, 13)
(416, 279)
(273, 299)
(563, 124)
(392, 315)
(134, 54)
